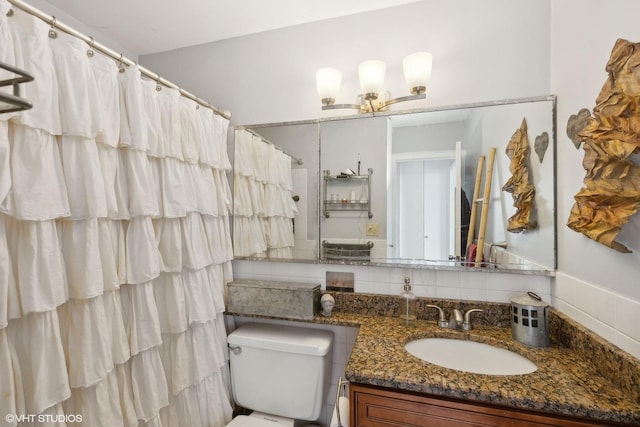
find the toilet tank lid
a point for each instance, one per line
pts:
(289, 339)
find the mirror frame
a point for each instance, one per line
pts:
(453, 265)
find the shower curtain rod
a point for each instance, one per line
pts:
(51, 20)
(298, 160)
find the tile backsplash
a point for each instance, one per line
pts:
(612, 316)
(447, 284)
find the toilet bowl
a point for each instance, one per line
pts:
(279, 372)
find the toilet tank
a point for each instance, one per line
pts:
(280, 370)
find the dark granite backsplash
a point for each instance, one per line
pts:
(618, 366)
(494, 314)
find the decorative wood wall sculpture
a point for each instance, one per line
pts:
(522, 190)
(611, 192)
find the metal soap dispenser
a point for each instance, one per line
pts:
(407, 305)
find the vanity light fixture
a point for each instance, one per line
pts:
(417, 73)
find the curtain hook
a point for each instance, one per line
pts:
(10, 13)
(121, 64)
(158, 86)
(52, 31)
(90, 51)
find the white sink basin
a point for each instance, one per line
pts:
(470, 356)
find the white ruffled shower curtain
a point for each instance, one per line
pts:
(263, 205)
(114, 244)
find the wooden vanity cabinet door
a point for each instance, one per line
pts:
(379, 407)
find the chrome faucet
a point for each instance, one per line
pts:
(493, 256)
(456, 320)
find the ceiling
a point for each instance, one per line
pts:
(151, 26)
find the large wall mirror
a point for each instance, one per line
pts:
(396, 188)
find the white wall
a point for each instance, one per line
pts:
(496, 49)
(595, 285)
(270, 77)
(65, 18)
(441, 137)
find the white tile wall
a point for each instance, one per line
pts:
(389, 281)
(614, 317)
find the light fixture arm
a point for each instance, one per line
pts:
(402, 99)
(370, 107)
(359, 107)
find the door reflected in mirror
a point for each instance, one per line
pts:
(425, 200)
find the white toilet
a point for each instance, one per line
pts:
(279, 372)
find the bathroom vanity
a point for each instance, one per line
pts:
(389, 386)
(375, 406)
(580, 378)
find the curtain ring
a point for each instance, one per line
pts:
(158, 86)
(121, 64)
(90, 51)
(52, 31)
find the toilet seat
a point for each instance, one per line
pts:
(247, 421)
(258, 419)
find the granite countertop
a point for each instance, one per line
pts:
(564, 383)
(580, 374)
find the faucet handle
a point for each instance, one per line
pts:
(466, 325)
(442, 321)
